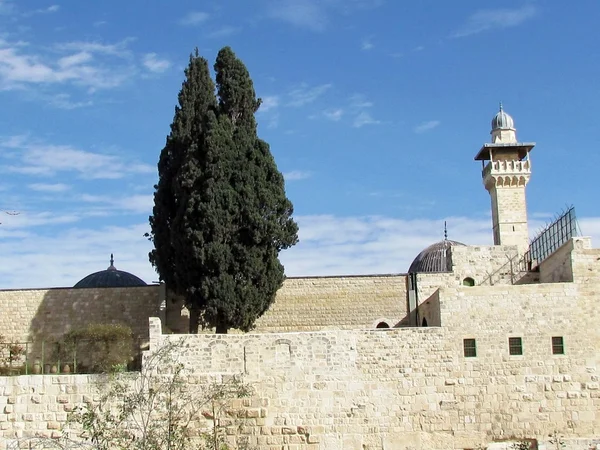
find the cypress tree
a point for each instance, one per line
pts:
(195, 99)
(262, 220)
(226, 216)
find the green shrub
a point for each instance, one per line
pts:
(100, 348)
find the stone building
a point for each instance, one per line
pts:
(474, 347)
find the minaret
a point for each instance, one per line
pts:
(506, 172)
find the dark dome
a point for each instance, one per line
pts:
(435, 258)
(110, 277)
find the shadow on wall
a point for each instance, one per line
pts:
(66, 309)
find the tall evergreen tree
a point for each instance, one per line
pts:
(228, 215)
(263, 223)
(196, 98)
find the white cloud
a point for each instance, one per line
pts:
(329, 245)
(334, 114)
(269, 102)
(133, 203)
(296, 175)
(364, 118)
(47, 187)
(426, 126)
(194, 18)
(63, 101)
(119, 49)
(223, 32)
(49, 10)
(490, 19)
(301, 13)
(314, 15)
(47, 160)
(155, 64)
(366, 44)
(359, 102)
(75, 59)
(21, 67)
(69, 254)
(303, 95)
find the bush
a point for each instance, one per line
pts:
(101, 348)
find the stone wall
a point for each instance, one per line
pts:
(414, 387)
(336, 303)
(393, 389)
(558, 266)
(46, 314)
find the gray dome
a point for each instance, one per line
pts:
(502, 121)
(435, 258)
(110, 277)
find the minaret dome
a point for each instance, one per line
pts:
(503, 128)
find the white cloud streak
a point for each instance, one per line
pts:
(364, 118)
(155, 64)
(314, 15)
(194, 18)
(426, 126)
(20, 69)
(223, 32)
(304, 94)
(490, 19)
(269, 103)
(297, 175)
(38, 159)
(329, 245)
(47, 187)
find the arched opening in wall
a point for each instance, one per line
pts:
(468, 282)
(382, 325)
(424, 323)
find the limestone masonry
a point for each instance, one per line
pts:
(476, 347)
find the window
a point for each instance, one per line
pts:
(558, 345)
(515, 346)
(468, 282)
(382, 325)
(470, 348)
(424, 323)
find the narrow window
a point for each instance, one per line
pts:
(468, 282)
(470, 348)
(424, 323)
(515, 346)
(558, 345)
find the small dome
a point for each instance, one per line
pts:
(435, 258)
(110, 277)
(502, 121)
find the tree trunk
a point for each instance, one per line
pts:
(221, 327)
(194, 320)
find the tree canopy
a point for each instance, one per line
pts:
(221, 215)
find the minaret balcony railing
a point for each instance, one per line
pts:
(507, 167)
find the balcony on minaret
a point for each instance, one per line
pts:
(505, 164)
(507, 167)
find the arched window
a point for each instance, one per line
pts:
(382, 325)
(468, 282)
(424, 324)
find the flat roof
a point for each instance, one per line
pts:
(521, 147)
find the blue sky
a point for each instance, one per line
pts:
(374, 110)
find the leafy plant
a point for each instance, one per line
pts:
(156, 409)
(102, 348)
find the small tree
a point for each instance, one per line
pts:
(156, 409)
